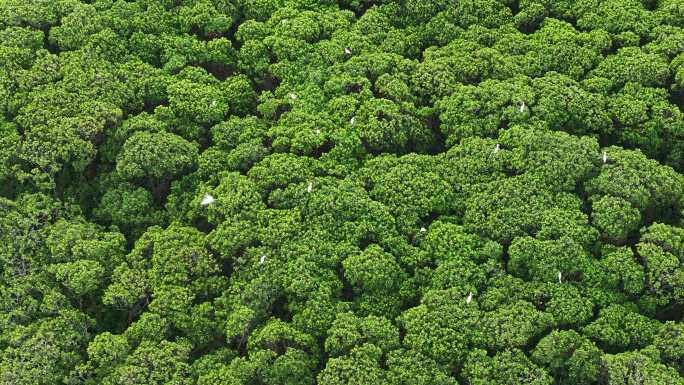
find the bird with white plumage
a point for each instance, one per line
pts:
(207, 200)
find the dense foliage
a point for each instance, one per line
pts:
(360, 192)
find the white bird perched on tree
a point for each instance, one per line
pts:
(352, 120)
(497, 148)
(262, 259)
(213, 103)
(560, 275)
(522, 106)
(423, 229)
(317, 131)
(347, 51)
(469, 298)
(292, 96)
(208, 199)
(309, 188)
(605, 157)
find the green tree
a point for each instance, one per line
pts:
(619, 327)
(408, 367)
(374, 276)
(615, 218)
(513, 326)
(443, 327)
(625, 368)
(155, 157)
(568, 356)
(361, 365)
(349, 331)
(506, 367)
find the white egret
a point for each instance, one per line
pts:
(352, 120)
(497, 148)
(347, 51)
(560, 275)
(208, 199)
(423, 229)
(309, 188)
(262, 259)
(605, 157)
(292, 96)
(522, 106)
(470, 298)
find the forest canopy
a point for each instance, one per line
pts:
(351, 192)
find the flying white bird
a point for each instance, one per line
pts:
(470, 298)
(605, 157)
(347, 51)
(309, 188)
(208, 199)
(522, 107)
(262, 259)
(497, 148)
(292, 96)
(559, 277)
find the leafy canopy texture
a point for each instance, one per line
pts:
(341, 192)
